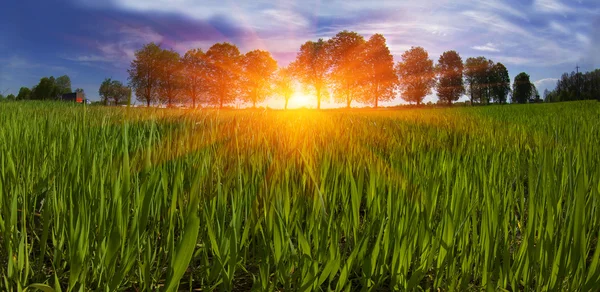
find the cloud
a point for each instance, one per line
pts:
(552, 6)
(489, 47)
(559, 27)
(546, 83)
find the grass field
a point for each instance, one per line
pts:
(484, 198)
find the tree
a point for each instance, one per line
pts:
(63, 85)
(169, 77)
(194, 75)
(258, 73)
(170, 83)
(45, 90)
(24, 93)
(284, 84)
(380, 79)
(144, 73)
(346, 52)
(11, 97)
(522, 88)
(416, 75)
(500, 83)
(311, 67)
(477, 79)
(113, 90)
(449, 69)
(106, 90)
(224, 72)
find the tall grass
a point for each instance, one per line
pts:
(487, 198)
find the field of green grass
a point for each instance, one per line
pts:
(484, 198)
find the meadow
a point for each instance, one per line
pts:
(485, 198)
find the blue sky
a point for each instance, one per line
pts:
(93, 39)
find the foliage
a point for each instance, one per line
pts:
(119, 199)
(311, 67)
(522, 88)
(477, 77)
(576, 86)
(46, 89)
(24, 93)
(258, 69)
(346, 52)
(450, 86)
(500, 83)
(113, 91)
(284, 84)
(416, 75)
(224, 73)
(380, 79)
(195, 69)
(144, 73)
(170, 78)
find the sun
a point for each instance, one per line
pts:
(300, 99)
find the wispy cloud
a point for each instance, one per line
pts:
(489, 47)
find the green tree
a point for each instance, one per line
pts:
(416, 75)
(63, 85)
(224, 73)
(450, 86)
(258, 73)
(346, 51)
(522, 89)
(499, 83)
(284, 84)
(144, 73)
(45, 90)
(24, 93)
(194, 75)
(477, 78)
(11, 97)
(380, 79)
(170, 79)
(311, 68)
(113, 90)
(106, 91)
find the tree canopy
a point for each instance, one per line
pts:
(522, 88)
(416, 75)
(311, 67)
(450, 86)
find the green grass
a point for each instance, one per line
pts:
(485, 198)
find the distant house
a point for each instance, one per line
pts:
(73, 97)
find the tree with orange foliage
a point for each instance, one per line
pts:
(416, 75)
(380, 79)
(194, 74)
(346, 50)
(258, 72)
(224, 73)
(311, 67)
(284, 84)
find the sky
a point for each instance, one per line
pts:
(90, 40)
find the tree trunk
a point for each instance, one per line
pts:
(319, 98)
(286, 103)
(147, 102)
(376, 101)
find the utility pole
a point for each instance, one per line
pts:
(578, 86)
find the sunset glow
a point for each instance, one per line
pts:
(300, 100)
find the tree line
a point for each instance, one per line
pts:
(49, 88)
(575, 86)
(348, 67)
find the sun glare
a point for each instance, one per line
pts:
(300, 100)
